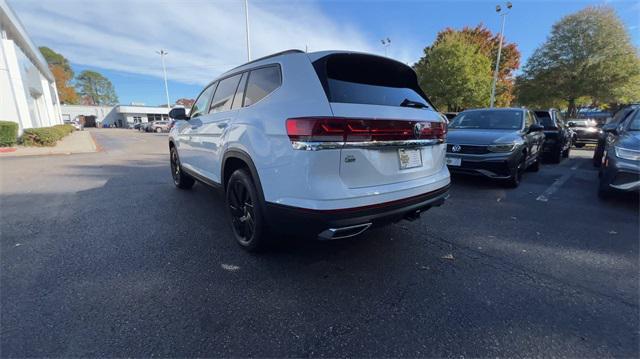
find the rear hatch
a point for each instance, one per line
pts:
(381, 98)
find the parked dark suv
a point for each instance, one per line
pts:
(610, 125)
(558, 139)
(586, 131)
(496, 143)
(620, 169)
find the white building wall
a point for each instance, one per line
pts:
(13, 88)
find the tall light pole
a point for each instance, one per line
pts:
(386, 43)
(162, 54)
(495, 73)
(246, 21)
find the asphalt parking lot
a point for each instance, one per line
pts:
(102, 256)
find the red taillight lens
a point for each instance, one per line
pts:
(335, 129)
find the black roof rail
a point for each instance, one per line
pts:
(291, 51)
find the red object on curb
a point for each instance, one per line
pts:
(7, 149)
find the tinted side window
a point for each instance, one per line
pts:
(202, 103)
(237, 99)
(224, 94)
(261, 83)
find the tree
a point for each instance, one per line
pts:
(488, 44)
(587, 58)
(186, 102)
(96, 88)
(455, 73)
(62, 73)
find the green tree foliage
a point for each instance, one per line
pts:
(588, 55)
(62, 73)
(455, 73)
(96, 88)
(488, 44)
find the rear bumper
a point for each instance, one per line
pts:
(320, 222)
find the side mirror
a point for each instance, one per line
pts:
(178, 113)
(610, 128)
(536, 127)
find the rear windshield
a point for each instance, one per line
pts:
(545, 118)
(366, 79)
(488, 120)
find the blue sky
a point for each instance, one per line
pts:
(204, 38)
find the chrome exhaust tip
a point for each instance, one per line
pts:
(343, 232)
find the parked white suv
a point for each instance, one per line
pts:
(326, 143)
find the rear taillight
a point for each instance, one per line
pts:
(335, 129)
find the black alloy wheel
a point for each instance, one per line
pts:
(180, 179)
(516, 173)
(245, 211)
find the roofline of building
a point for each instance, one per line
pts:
(12, 25)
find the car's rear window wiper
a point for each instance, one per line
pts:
(408, 103)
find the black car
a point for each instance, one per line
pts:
(585, 131)
(496, 143)
(620, 169)
(558, 136)
(611, 124)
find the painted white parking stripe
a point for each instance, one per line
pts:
(544, 197)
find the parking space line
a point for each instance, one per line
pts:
(544, 197)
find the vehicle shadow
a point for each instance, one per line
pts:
(134, 266)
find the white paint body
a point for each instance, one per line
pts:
(320, 180)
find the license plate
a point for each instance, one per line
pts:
(454, 161)
(409, 158)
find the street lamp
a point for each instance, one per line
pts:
(386, 43)
(162, 54)
(495, 73)
(246, 23)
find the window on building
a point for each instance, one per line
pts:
(261, 83)
(224, 94)
(154, 117)
(137, 119)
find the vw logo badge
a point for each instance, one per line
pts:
(417, 129)
(456, 148)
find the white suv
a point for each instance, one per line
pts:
(326, 143)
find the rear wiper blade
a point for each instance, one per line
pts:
(408, 103)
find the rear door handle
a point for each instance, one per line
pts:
(222, 124)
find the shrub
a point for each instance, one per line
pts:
(45, 136)
(8, 133)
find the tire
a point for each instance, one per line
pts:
(245, 212)
(535, 167)
(597, 156)
(604, 191)
(158, 130)
(556, 156)
(180, 179)
(516, 174)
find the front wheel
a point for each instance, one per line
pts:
(516, 174)
(158, 130)
(245, 210)
(180, 179)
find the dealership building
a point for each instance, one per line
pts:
(114, 116)
(28, 92)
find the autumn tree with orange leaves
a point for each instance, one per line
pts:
(62, 73)
(486, 43)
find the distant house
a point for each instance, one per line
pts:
(28, 92)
